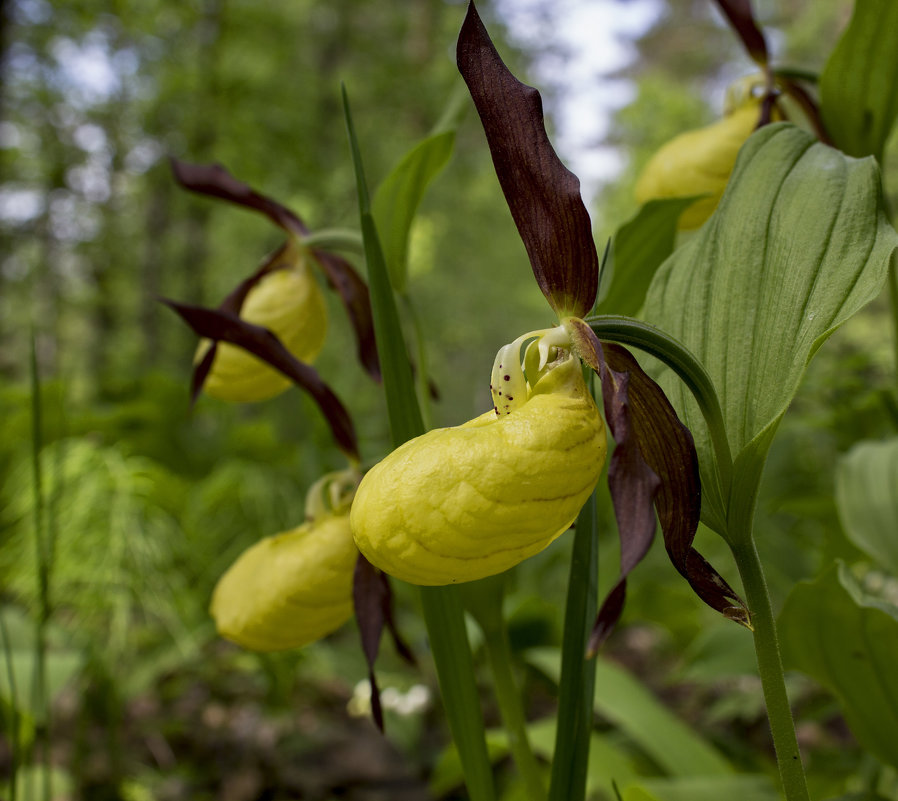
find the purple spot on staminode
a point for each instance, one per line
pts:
(507, 377)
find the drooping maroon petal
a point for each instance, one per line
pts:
(215, 181)
(224, 326)
(668, 448)
(372, 599)
(740, 15)
(542, 194)
(201, 373)
(353, 291)
(632, 482)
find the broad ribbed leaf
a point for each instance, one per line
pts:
(858, 86)
(638, 248)
(833, 633)
(797, 245)
(397, 199)
(542, 194)
(741, 787)
(226, 327)
(867, 499)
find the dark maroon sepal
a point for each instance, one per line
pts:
(668, 448)
(741, 18)
(213, 180)
(224, 326)
(373, 602)
(632, 482)
(542, 194)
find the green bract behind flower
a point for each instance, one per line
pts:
(698, 162)
(458, 504)
(290, 304)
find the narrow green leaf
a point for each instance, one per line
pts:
(740, 787)
(576, 686)
(625, 702)
(398, 197)
(867, 499)
(849, 643)
(442, 607)
(799, 243)
(858, 90)
(399, 384)
(638, 248)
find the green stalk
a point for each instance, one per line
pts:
(893, 303)
(13, 709)
(576, 686)
(443, 612)
(770, 663)
(498, 652)
(483, 599)
(40, 701)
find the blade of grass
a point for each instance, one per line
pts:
(13, 709)
(443, 611)
(39, 700)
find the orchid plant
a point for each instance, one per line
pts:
(793, 239)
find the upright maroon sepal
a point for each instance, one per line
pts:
(542, 194)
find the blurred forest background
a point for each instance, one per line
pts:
(146, 503)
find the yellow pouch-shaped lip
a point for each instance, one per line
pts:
(698, 162)
(289, 303)
(288, 590)
(458, 504)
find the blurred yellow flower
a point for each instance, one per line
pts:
(288, 590)
(699, 162)
(289, 303)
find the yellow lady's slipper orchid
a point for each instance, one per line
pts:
(288, 302)
(296, 587)
(458, 504)
(288, 590)
(699, 162)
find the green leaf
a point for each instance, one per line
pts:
(442, 607)
(797, 245)
(858, 90)
(849, 643)
(398, 197)
(633, 709)
(867, 500)
(639, 247)
(744, 787)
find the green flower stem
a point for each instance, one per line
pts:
(344, 239)
(14, 727)
(483, 599)
(654, 341)
(444, 617)
(498, 652)
(893, 303)
(576, 686)
(770, 666)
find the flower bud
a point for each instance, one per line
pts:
(289, 303)
(288, 590)
(698, 162)
(458, 504)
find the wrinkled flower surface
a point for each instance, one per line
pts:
(288, 590)
(290, 304)
(461, 503)
(698, 162)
